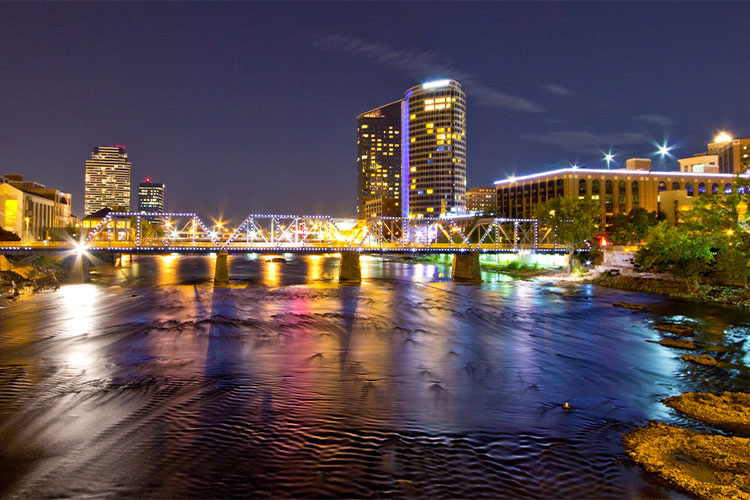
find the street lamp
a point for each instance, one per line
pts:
(608, 158)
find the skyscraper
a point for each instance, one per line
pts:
(379, 158)
(150, 197)
(433, 166)
(107, 179)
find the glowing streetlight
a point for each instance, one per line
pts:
(663, 150)
(723, 137)
(608, 157)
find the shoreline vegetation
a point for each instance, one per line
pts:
(705, 293)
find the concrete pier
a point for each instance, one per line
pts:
(349, 269)
(466, 267)
(221, 273)
(78, 268)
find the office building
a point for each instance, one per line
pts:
(379, 157)
(704, 163)
(479, 199)
(619, 190)
(31, 210)
(433, 152)
(150, 197)
(733, 154)
(107, 179)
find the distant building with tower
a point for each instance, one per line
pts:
(379, 161)
(150, 196)
(107, 183)
(411, 154)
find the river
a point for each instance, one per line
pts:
(150, 382)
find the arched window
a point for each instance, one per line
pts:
(675, 186)
(608, 189)
(543, 191)
(551, 189)
(559, 188)
(689, 188)
(662, 186)
(727, 188)
(582, 187)
(714, 188)
(634, 194)
(622, 197)
(701, 188)
(595, 189)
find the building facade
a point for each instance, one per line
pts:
(433, 151)
(479, 199)
(618, 191)
(733, 154)
(107, 182)
(46, 209)
(379, 156)
(150, 197)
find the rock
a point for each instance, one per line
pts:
(678, 343)
(703, 359)
(27, 272)
(731, 410)
(706, 465)
(681, 330)
(627, 305)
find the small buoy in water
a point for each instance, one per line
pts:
(567, 406)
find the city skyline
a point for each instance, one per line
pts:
(235, 113)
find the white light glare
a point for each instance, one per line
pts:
(436, 83)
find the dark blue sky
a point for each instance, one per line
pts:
(251, 107)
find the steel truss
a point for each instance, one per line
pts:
(185, 231)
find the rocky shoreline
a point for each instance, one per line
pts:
(707, 293)
(30, 275)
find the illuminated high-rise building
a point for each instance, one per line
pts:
(379, 159)
(433, 167)
(107, 179)
(150, 197)
(733, 154)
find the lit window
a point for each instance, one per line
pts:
(429, 108)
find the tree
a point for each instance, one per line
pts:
(632, 227)
(574, 220)
(721, 218)
(678, 251)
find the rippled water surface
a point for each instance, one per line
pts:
(150, 382)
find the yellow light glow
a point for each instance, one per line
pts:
(723, 137)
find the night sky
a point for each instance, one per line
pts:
(252, 107)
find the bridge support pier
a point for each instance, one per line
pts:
(349, 269)
(221, 273)
(78, 268)
(466, 267)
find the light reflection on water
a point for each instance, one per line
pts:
(152, 382)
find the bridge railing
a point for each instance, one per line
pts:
(183, 231)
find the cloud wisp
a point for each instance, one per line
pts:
(420, 64)
(587, 142)
(554, 88)
(662, 120)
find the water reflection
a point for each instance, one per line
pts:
(154, 382)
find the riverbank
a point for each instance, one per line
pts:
(711, 294)
(30, 273)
